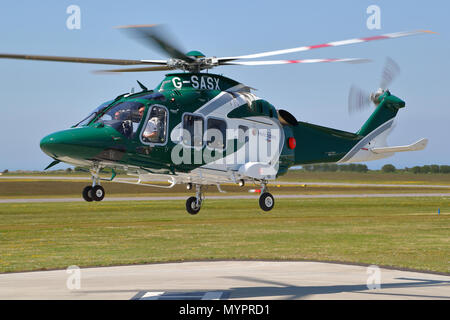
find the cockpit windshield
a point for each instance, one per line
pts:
(124, 117)
(93, 114)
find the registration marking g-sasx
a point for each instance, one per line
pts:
(202, 82)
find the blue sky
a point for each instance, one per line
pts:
(38, 98)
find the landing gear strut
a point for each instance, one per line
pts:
(266, 200)
(194, 204)
(95, 192)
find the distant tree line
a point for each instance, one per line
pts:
(332, 167)
(104, 170)
(324, 167)
(387, 168)
(433, 168)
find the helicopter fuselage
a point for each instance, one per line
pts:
(207, 129)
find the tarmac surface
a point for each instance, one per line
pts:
(253, 280)
(280, 196)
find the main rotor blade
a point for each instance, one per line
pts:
(330, 44)
(81, 60)
(270, 62)
(161, 68)
(390, 72)
(157, 36)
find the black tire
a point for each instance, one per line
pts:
(98, 193)
(266, 201)
(191, 205)
(87, 194)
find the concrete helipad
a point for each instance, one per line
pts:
(226, 280)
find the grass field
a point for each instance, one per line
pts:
(398, 232)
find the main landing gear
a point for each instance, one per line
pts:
(95, 192)
(194, 204)
(266, 200)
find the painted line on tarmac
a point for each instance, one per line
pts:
(194, 295)
(281, 196)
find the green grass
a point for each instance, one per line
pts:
(368, 177)
(399, 232)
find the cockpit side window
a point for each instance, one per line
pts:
(155, 129)
(125, 117)
(93, 114)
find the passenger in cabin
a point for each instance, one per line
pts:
(151, 132)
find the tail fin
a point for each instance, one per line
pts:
(375, 130)
(385, 111)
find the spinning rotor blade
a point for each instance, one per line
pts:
(270, 62)
(390, 72)
(358, 100)
(330, 44)
(159, 68)
(157, 36)
(81, 60)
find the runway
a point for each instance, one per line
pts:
(226, 280)
(280, 196)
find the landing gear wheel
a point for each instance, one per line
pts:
(87, 194)
(266, 201)
(98, 193)
(191, 205)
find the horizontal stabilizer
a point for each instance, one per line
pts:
(419, 145)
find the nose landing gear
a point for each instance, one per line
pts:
(96, 191)
(87, 194)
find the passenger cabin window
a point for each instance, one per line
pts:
(216, 133)
(243, 134)
(155, 130)
(192, 130)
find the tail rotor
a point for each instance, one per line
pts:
(359, 99)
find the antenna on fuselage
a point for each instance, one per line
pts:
(144, 88)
